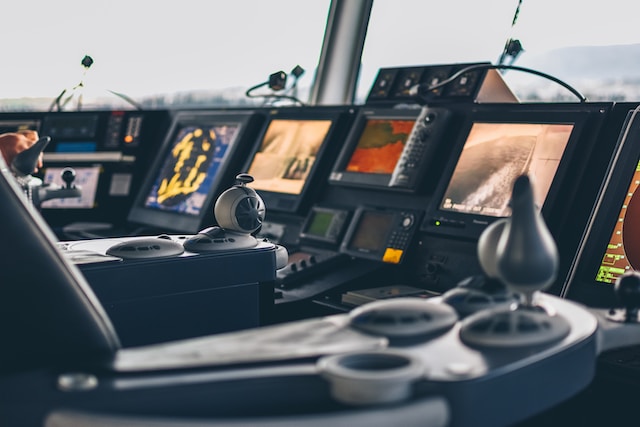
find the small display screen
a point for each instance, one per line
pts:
(190, 167)
(86, 178)
(320, 223)
(286, 154)
(371, 232)
(380, 146)
(623, 250)
(70, 126)
(18, 125)
(494, 155)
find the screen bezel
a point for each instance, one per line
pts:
(174, 221)
(581, 284)
(335, 228)
(297, 203)
(393, 241)
(339, 174)
(97, 172)
(470, 225)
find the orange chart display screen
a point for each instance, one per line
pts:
(287, 154)
(380, 146)
(623, 249)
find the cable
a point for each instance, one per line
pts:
(276, 96)
(423, 92)
(86, 62)
(512, 47)
(277, 81)
(126, 98)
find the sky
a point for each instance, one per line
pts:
(142, 47)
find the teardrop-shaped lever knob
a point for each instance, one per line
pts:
(26, 161)
(527, 255)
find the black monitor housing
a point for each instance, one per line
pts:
(497, 143)
(390, 149)
(194, 164)
(610, 245)
(294, 149)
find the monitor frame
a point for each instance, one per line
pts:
(342, 177)
(468, 225)
(298, 204)
(166, 220)
(581, 284)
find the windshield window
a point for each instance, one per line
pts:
(594, 47)
(159, 53)
(192, 53)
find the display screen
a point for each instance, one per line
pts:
(319, 223)
(71, 126)
(378, 153)
(287, 153)
(198, 160)
(623, 250)
(86, 179)
(18, 125)
(371, 232)
(494, 155)
(184, 181)
(380, 146)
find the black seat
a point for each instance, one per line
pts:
(48, 313)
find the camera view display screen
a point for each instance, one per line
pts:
(623, 250)
(494, 155)
(380, 146)
(286, 154)
(190, 167)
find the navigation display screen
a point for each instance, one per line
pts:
(184, 181)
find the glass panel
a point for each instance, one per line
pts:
(591, 46)
(159, 53)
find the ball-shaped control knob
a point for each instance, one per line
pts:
(68, 175)
(240, 208)
(627, 289)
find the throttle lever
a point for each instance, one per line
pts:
(25, 162)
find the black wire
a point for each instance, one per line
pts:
(291, 98)
(251, 89)
(126, 98)
(423, 93)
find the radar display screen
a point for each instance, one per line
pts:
(184, 180)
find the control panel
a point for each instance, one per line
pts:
(380, 234)
(419, 148)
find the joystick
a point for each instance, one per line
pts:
(26, 161)
(37, 191)
(240, 208)
(477, 293)
(521, 253)
(68, 175)
(627, 290)
(239, 212)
